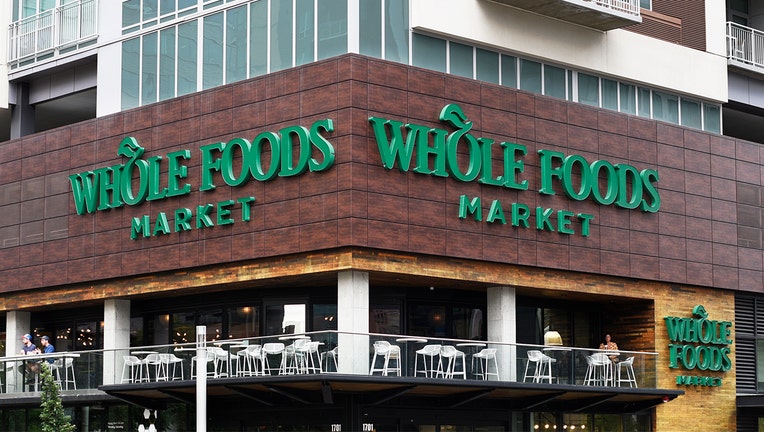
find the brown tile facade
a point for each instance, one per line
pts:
(708, 231)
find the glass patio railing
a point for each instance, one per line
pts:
(332, 352)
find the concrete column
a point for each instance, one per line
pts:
(353, 322)
(17, 324)
(501, 320)
(22, 114)
(116, 338)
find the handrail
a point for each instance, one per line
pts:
(507, 361)
(745, 45)
(626, 6)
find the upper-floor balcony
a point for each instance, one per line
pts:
(550, 376)
(598, 14)
(745, 47)
(54, 32)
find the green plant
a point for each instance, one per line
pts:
(52, 417)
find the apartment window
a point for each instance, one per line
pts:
(167, 63)
(588, 89)
(187, 57)
(396, 30)
(487, 66)
(627, 98)
(304, 40)
(370, 20)
(131, 61)
(248, 40)
(236, 44)
(646, 4)
(712, 120)
(150, 10)
(332, 28)
(691, 116)
(666, 107)
(530, 76)
(460, 59)
(643, 102)
(281, 35)
(429, 52)
(149, 66)
(509, 71)
(554, 81)
(609, 94)
(131, 13)
(212, 48)
(258, 38)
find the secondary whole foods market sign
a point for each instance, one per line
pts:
(409, 147)
(699, 344)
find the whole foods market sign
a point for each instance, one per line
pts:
(699, 344)
(435, 152)
(236, 163)
(297, 150)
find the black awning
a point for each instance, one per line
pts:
(328, 389)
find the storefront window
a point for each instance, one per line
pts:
(468, 323)
(87, 337)
(183, 330)
(607, 422)
(136, 331)
(385, 318)
(284, 318)
(243, 322)
(427, 320)
(324, 317)
(213, 320)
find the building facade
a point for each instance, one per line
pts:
(473, 174)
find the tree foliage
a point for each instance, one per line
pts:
(52, 417)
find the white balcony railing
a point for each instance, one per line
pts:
(52, 31)
(745, 46)
(630, 7)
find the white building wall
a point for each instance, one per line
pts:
(617, 53)
(109, 99)
(5, 21)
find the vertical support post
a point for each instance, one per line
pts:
(201, 378)
(502, 310)
(116, 338)
(353, 322)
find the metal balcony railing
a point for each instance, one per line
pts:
(630, 7)
(745, 46)
(52, 32)
(332, 352)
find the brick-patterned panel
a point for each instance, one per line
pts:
(704, 234)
